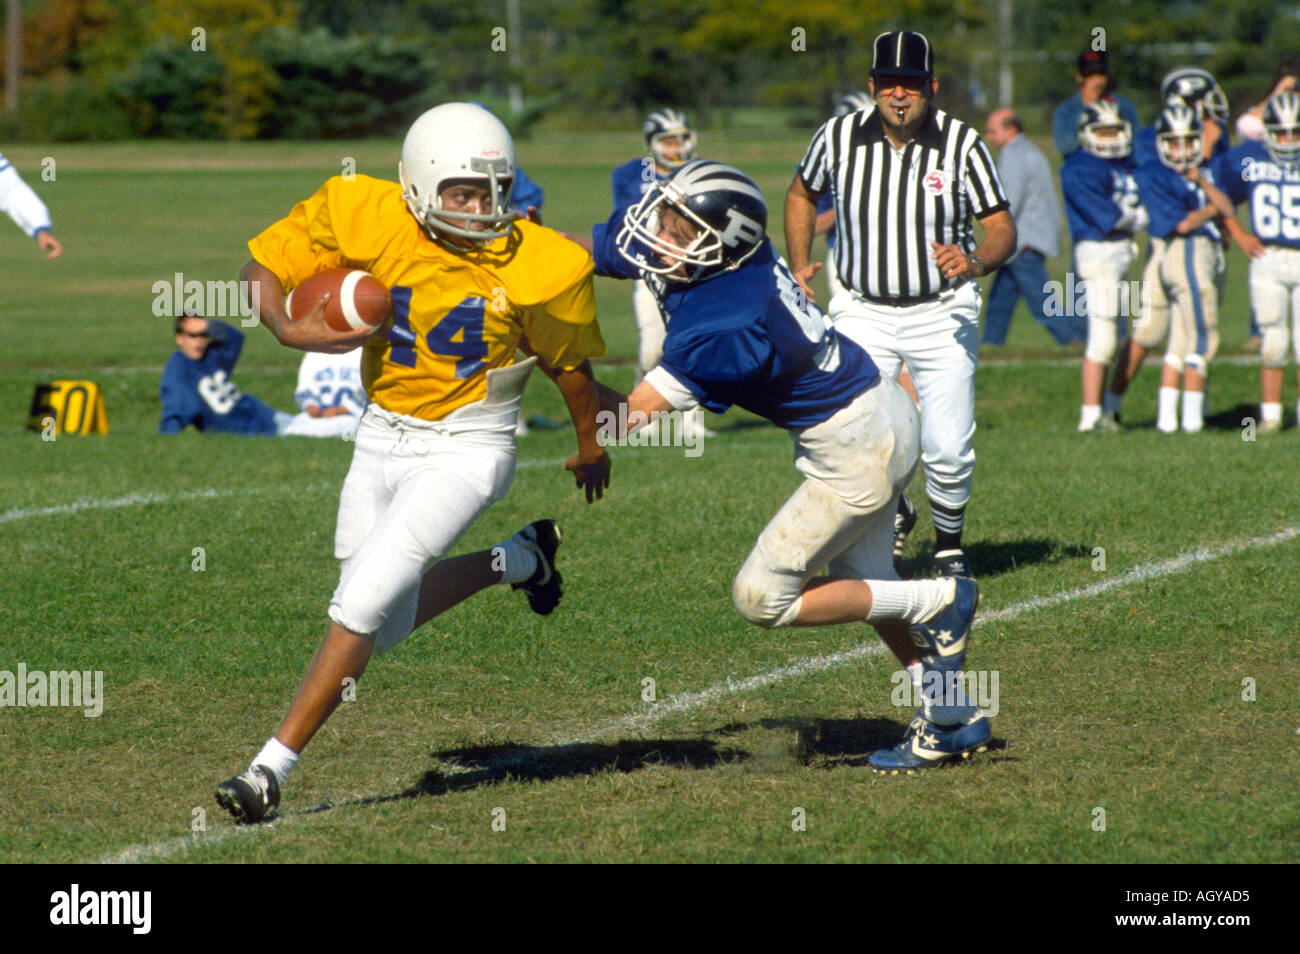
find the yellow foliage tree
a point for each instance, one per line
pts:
(228, 30)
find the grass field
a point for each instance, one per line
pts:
(1139, 599)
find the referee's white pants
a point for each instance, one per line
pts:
(939, 343)
(413, 489)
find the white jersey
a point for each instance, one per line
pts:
(19, 202)
(328, 380)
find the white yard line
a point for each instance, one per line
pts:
(689, 701)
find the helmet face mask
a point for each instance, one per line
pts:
(458, 143)
(1179, 142)
(669, 138)
(1196, 89)
(854, 102)
(704, 219)
(1282, 129)
(1103, 132)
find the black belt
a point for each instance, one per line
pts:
(903, 301)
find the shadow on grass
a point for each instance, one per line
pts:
(478, 766)
(832, 743)
(994, 559)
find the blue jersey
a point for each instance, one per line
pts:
(1168, 198)
(1101, 198)
(526, 192)
(633, 179)
(747, 338)
(826, 202)
(1248, 172)
(201, 393)
(1144, 144)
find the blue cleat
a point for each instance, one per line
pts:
(942, 638)
(929, 745)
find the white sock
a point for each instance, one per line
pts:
(1193, 411)
(953, 706)
(278, 757)
(516, 561)
(1110, 402)
(1167, 417)
(913, 601)
(1089, 414)
(1272, 411)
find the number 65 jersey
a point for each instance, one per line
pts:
(457, 313)
(1248, 172)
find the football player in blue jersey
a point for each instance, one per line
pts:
(671, 142)
(1267, 175)
(1103, 212)
(196, 387)
(1199, 91)
(1183, 273)
(740, 332)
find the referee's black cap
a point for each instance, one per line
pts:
(902, 53)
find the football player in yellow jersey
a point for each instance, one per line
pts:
(471, 285)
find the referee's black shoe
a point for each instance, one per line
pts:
(952, 563)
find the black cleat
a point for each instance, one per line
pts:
(250, 797)
(904, 521)
(543, 587)
(952, 563)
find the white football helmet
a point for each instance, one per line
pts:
(455, 142)
(1104, 132)
(1178, 138)
(664, 124)
(1282, 129)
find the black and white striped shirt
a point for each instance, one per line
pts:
(890, 204)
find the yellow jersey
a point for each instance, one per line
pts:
(457, 313)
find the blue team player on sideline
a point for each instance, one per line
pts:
(1103, 210)
(196, 387)
(739, 332)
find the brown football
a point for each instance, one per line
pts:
(358, 300)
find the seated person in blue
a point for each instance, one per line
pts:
(739, 332)
(196, 387)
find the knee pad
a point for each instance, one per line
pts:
(760, 603)
(1175, 362)
(1272, 347)
(1195, 362)
(1102, 338)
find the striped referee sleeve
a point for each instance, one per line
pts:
(983, 187)
(814, 167)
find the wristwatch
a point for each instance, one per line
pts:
(978, 264)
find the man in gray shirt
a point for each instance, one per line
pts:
(1036, 210)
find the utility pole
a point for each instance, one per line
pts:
(13, 53)
(1004, 70)
(514, 59)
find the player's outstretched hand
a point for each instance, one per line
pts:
(805, 275)
(591, 475)
(48, 244)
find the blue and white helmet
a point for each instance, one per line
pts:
(1282, 129)
(1104, 132)
(1179, 142)
(725, 207)
(453, 142)
(665, 124)
(853, 102)
(1196, 88)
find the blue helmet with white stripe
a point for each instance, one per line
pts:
(725, 219)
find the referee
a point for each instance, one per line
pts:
(906, 179)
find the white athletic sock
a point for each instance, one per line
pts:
(1272, 411)
(1167, 417)
(278, 757)
(953, 706)
(516, 561)
(1110, 402)
(1193, 411)
(913, 601)
(1089, 414)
